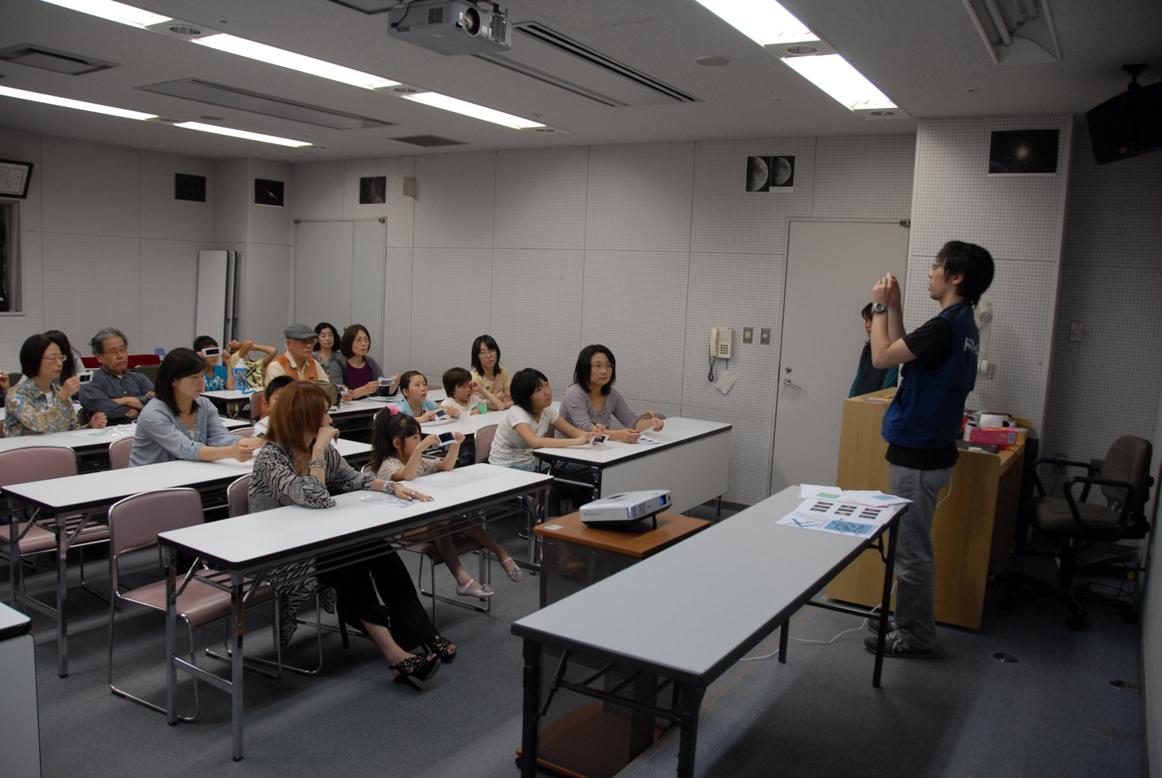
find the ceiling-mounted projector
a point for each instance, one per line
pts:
(451, 26)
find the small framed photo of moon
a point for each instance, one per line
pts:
(773, 173)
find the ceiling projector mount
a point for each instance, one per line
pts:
(452, 27)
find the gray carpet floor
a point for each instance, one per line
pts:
(1053, 712)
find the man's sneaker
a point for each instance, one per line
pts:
(896, 645)
(873, 624)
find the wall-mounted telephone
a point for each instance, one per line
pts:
(720, 338)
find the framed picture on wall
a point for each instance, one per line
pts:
(14, 178)
(372, 190)
(268, 192)
(770, 173)
(1023, 152)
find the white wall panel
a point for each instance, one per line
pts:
(162, 214)
(536, 311)
(169, 274)
(397, 311)
(109, 298)
(1019, 217)
(398, 210)
(634, 304)
(864, 177)
(454, 201)
(639, 197)
(233, 191)
(726, 217)
(368, 257)
(540, 198)
(322, 290)
(90, 189)
(318, 190)
(265, 309)
(734, 290)
(451, 297)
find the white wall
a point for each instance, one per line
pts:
(1019, 219)
(105, 243)
(640, 247)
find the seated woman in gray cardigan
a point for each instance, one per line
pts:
(181, 424)
(592, 402)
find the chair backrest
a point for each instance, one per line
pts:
(331, 390)
(135, 521)
(484, 437)
(37, 463)
(243, 432)
(119, 451)
(238, 496)
(149, 371)
(1128, 459)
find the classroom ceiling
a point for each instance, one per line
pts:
(924, 54)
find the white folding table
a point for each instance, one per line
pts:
(691, 459)
(249, 547)
(639, 622)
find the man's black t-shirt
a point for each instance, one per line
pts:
(932, 344)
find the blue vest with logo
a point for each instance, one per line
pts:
(929, 405)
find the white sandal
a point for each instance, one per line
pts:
(474, 589)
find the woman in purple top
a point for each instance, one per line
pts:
(592, 401)
(361, 374)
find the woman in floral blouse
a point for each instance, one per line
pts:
(38, 404)
(299, 466)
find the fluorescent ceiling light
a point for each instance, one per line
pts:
(80, 105)
(835, 76)
(114, 12)
(289, 59)
(245, 135)
(763, 21)
(465, 108)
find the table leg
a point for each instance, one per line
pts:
(718, 508)
(171, 617)
(62, 587)
(783, 635)
(236, 665)
(886, 598)
(532, 700)
(689, 701)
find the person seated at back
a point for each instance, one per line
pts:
(399, 454)
(216, 375)
(73, 364)
(114, 390)
(486, 370)
(413, 385)
(465, 396)
(298, 360)
(525, 426)
(40, 402)
(868, 377)
(249, 374)
(270, 394)
(361, 373)
(326, 350)
(180, 424)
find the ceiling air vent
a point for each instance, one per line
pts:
(428, 141)
(556, 59)
(267, 105)
(49, 59)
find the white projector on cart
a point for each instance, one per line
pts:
(621, 510)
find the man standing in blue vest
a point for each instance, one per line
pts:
(923, 422)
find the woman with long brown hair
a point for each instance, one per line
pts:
(299, 466)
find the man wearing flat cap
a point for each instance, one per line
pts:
(297, 361)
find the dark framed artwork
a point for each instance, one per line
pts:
(268, 192)
(372, 190)
(770, 173)
(187, 186)
(1023, 152)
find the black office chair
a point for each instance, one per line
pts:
(1125, 481)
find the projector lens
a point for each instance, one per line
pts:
(470, 21)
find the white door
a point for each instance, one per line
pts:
(831, 267)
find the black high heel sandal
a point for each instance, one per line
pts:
(415, 668)
(443, 648)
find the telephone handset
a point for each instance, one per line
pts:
(720, 338)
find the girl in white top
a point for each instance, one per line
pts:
(525, 426)
(398, 454)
